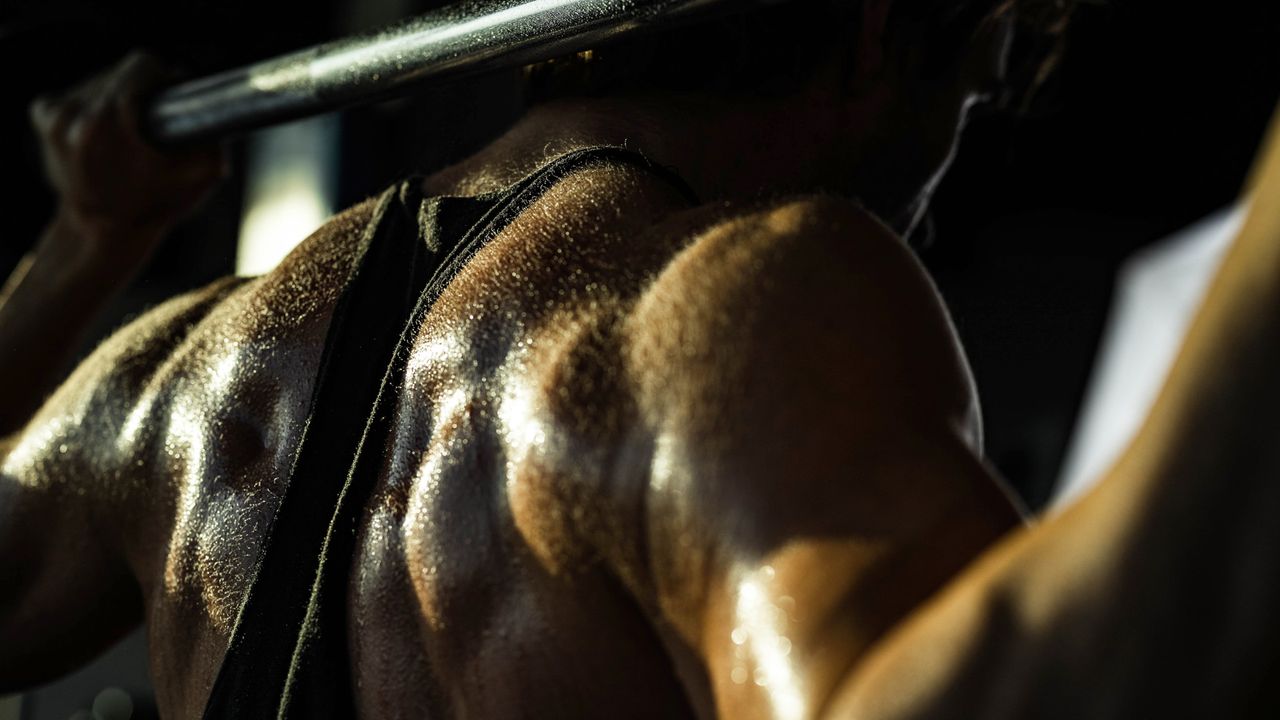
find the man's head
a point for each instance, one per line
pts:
(896, 76)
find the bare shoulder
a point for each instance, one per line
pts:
(179, 425)
(79, 419)
(64, 486)
(813, 418)
(89, 410)
(78, 434)
(812, 294)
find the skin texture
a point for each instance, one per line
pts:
(549, 499)
(604, 436)
(1162, 577)
(575, 491)
(555, 497)
(651, 460)
(117, 198)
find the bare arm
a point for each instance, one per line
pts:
(1156, 595)
(816, 472)
(817, 554)
(46, 306)
(73, 502)
(117, 199)
(66, 585)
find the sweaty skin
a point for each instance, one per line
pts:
(571, 518)
(648, 460)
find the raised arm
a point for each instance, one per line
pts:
(117, 197)
(67, 586)
(1155, 595)
(817, 469)
(72, 501)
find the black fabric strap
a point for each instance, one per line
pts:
(362, 334)
(288, 655)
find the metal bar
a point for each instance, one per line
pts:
(467, 38)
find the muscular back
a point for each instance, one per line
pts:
(640, 451)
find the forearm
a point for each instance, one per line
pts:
(117, 195)
(46, 306)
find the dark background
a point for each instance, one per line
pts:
(1150, 124)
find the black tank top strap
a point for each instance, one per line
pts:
(260, 663)
(288, 656)
(484, 216)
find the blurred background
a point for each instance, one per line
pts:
(1051, 233)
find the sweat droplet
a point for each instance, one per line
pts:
(739, 636)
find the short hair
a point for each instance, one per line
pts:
(773, 47)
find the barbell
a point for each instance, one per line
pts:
(445, 44)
